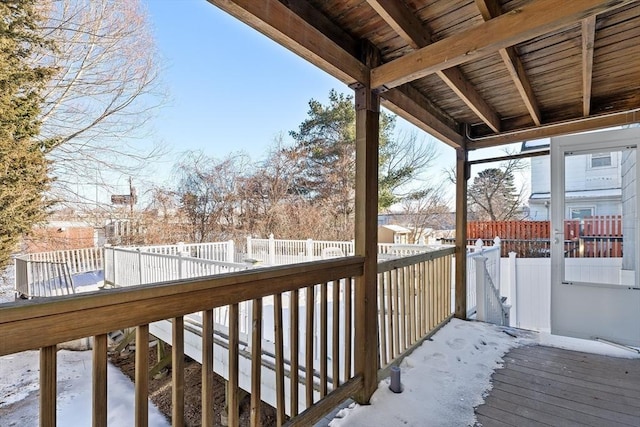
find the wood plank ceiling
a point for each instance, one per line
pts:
(473, 73)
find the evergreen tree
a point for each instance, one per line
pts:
(23, 169)
(325, 149)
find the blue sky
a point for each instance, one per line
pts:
(233, 89)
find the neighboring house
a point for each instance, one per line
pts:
(593, 185)
(62, 235)
(393, 234)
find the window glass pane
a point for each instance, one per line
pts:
(600, 160)
(599, 225)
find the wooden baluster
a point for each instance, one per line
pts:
(323, 340)
(279, 347)
(294, 307)
(382, 328)
(389, 314)
(256, 361)
(142, 376)
(234, 342)
(309, 346)
(99, 381)
(177, 372)
(207, 369)
(347, 328)
(48, 392)
(335, 337)
(396, 299)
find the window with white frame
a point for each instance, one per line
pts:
(600, 160)
(580, 213)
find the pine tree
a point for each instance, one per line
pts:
(23, 167)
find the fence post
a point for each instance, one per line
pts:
(115, 270)
(496, 243)
(479, 245)
(139, 267)
(309, 249)
(180, 248)
(272, 250)
(231, 251)
(481, 298)
(181, 256)
(513, 290)
(249, 248)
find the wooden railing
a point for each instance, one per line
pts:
(414, 296)
(414, 299)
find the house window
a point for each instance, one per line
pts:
(580, 213)
(600, 160)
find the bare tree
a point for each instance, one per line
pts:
(208, 194)
(425, 211)
(104, 92)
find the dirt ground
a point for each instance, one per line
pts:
(160, 390)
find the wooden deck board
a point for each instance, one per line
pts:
(549, 386)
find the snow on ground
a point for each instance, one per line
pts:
(19, 392)
(449, 375)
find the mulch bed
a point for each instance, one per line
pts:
(160, 390)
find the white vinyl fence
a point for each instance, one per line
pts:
(129, 267)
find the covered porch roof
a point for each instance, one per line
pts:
(472, 73)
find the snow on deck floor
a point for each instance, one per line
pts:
(446, 377)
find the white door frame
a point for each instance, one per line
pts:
(591, 310)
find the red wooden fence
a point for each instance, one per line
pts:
(596, 236)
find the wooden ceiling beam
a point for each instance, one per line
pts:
(409, 103)
(298, 27)
(490, 9)
(554, 129)
(533, 19)
(588, 39)
(278, 22)
(409, 27)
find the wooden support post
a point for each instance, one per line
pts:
(462, 175)
(366, 234)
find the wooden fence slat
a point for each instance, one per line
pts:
(99, 381)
